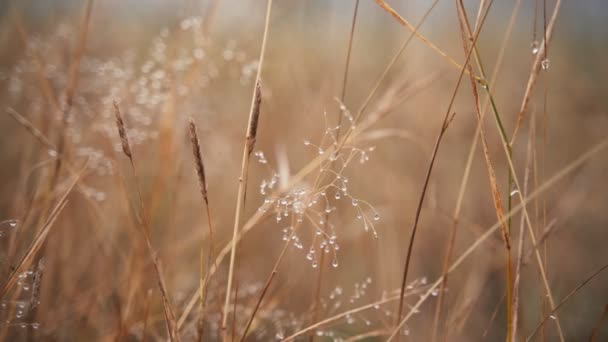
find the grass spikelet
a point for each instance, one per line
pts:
(255, 117)
(202, 181)
(250, 136)
(198, 159)
(170, 318)
(122, 132)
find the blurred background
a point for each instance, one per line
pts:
(164, 62)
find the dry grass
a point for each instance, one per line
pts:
(126, 213)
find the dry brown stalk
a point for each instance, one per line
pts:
(536, 67)
(466, 34)
(202, 181)
(30, 128)
(540, 190)
(145, 229)
(386, 7)
(514, 180)
(598, 325)
(71, 87)
(318, 287)
(250, 137)
(446, 121)
(465, 178)
(273, 273)
(40, 238)
(520, 247)
(566, 298)
(350, 312)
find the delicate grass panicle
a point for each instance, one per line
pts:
(220, 176)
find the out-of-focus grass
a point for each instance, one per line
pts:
(93, 280)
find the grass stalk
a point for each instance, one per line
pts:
(536, 67)
(553, 311)
(598, 325)
(572, 166)
(250, 137)
(145, 230)
(567, 170)
(465, 178)
(202, 182)
(446, 120)
(466, 35)
(318, 287)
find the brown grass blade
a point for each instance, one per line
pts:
(446, 120)
(466, 34)
(540, 55)
(30, 128)
(40, 238)
(541, 189)
(598, 325)
(386, 7)
(563, 301)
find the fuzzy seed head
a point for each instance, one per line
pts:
(126, 148)
(198, 159)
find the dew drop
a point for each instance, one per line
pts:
(535, 47)
(545, 64)
(355, 202)
(376, 217)
(334, 262)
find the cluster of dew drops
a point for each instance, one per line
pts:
(311, 205)
(171, 58)
(544, 64)
(342, 299)
(15, 310)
